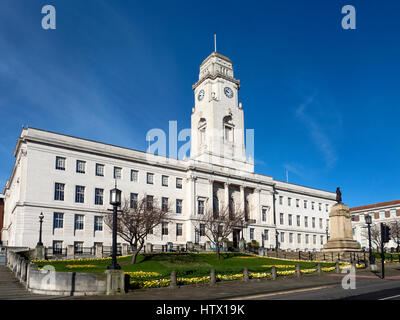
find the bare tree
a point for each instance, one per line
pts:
(138, 219)
(375, 236)
(219, 223)
(395, 232)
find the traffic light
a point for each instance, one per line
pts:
(385, 230)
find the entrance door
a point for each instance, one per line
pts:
(236, 237)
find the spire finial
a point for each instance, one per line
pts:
(215, 42)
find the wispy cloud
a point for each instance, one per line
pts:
(317, 132)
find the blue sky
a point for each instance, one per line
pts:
(323, 101)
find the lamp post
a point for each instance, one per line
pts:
(327, 234)
(368, 220)
(276, 240)
(40, 243)
(115, 201)
(262, 240)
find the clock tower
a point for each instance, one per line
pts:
(217, 122)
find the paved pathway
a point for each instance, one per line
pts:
(12, 289)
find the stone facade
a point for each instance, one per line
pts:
(218, 168)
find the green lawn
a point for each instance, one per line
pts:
(185, 264)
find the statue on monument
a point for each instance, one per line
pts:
(338, 195)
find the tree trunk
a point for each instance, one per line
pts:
(217, 248)
(135, 252)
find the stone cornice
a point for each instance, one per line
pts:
(215, 76)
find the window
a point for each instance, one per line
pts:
(98, 196)
(290, 219)
(298, 220)
(202, 229)
(80, 166)
(150, 178)
(320, 223)
(322, 240)
(133, 200)
(266, 234)
(251, 233)
(319, 206)
(79, 194)
(305, 204)
(58, 220)
(352, 218)
(164, 181)
(178, 183)
(290, 237)
(79, 221)
(289, 201)
(381, 215)
(298, 238)
(282, 237)
(393, 213)
(306, 222)
(178, 229)
(60, 163)
(99, 170)
(264, 215)
(59, 191)
(78, 247)
(149, 202)
(57, 247)
(164, 204)
(297, 203)
(307, 238)
(280, 199)
(312, 205)
(178, 206)
(228, 134)
(165, 228)
(134, 175)
(327, 207)
(200, 207)
(313, 222)
(281, 218)
(314, 239)
(117, 173)
(98, 223)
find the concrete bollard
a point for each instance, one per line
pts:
(298, 272)
(213, 278)
(273, 273)
(173, 282)
(70, 252)
(245, 274)
(319, 270)
(337, 269)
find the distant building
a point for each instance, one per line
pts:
(69, 178)
(1, 213)
(386, 212)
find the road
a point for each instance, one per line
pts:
(365, 289)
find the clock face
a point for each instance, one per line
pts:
(200, 96)
(228, 92)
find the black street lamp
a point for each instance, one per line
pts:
(115, 201)
(276, 240)
(368, 220)
(327, 233)
(40, 243)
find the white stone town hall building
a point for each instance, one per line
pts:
(69, 178)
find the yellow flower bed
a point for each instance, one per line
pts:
(230, 276)
(328, 269)
(285, 273)
(279, 266)
(71, 266)
(246, 257)
(306, 271)
(143, 274)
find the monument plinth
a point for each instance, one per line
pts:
(341, 232)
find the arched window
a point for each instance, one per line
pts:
(202, 131)
(228, 128)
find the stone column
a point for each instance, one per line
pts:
(124, 249)
(210, 194)
(258, 208)
(213, 278)
(298, 272)
(273, 273)
(226, 194)
(115, 282)
(242, 198)
(70, 252)
(149, 247)
(245, 274)
(98, 250)
(173, 282)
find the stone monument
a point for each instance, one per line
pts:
(341, 232)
